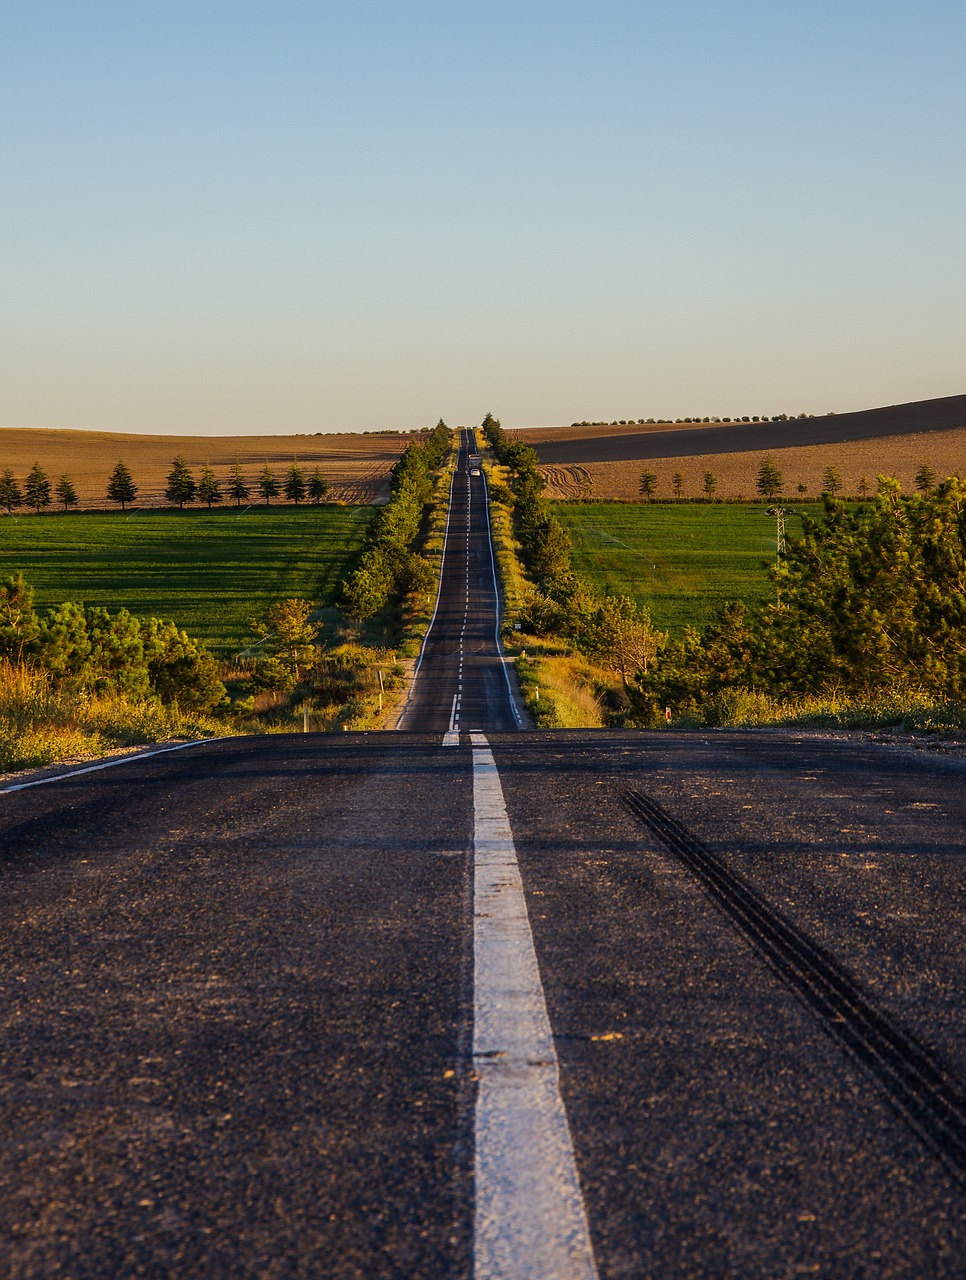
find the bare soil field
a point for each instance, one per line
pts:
(596, 462)
(357, 466)
(676, 439)
(899, 456)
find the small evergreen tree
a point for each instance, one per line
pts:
(237, 488)
(318, 487)
(121, 487)
(769, 481)
(209, 490)
(37, 490)
(65, 491)
(863, 486)
(831, 481)
(181, 483)
(268, 485)
(10, 495)
(802, 488)
(648, 485)
(289, 636)
(925, 479)
(677, 484)
(19, 624)
(295, 483)
(710, 485)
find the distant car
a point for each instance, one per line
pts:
(475, 471)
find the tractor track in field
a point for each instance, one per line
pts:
(921, 1089)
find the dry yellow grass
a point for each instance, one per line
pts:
(357, 466)
(900, 456)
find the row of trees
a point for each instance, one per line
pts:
(388, 567)
(644, 422)
(37, 491)
(181, 487)
(770, 483)
(869, 600)
(614, 631)
(89, 649)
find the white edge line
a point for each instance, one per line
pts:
(496, 593)
(108, 764)
(439, 590)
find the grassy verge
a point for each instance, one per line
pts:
(41, 724)
(515, 589)
(908, 712)
(560, 688)
(430, 547)
(209, 571)
(682, 560)
(364, 672)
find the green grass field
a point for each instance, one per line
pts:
(681, 560)
(210, 572)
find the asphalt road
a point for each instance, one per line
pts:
(462, 681)
(272, 1008)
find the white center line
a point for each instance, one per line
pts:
(530, 1219)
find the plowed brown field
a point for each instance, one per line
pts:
(357, 466)
(893, 441)
(899, 456)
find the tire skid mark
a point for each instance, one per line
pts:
(924, 1092)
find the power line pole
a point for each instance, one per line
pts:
(779, 514)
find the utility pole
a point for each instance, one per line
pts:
(779, 514)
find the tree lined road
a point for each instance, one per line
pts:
(462, 681)
(455, 1000)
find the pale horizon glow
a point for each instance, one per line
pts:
(308, 217)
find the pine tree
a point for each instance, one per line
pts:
(677, 484)
(121, 487)
(37, 490)
(295, 483)
(318, 486)
(209, 490)
(647, 485)
(863, 486)
(237, 488)
(181, 483)
(268, 485)
(925, 479)
(710, 485)
(769, 481)
(831, 481)
(65, 491)
(10, 495)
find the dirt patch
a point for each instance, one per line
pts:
(356, 466)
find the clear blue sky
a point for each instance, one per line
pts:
(221, 217)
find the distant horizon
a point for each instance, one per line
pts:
(691, 420)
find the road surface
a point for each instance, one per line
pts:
(471, 1001)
